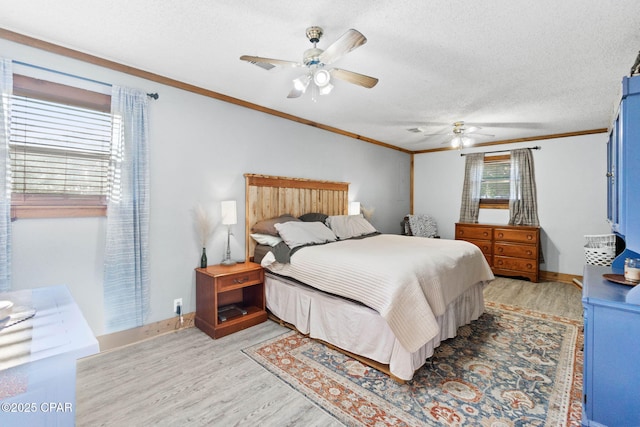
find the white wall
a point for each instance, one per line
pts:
(571, 184)
(199, 150)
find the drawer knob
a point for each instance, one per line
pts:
(244, 279)
(529, 237)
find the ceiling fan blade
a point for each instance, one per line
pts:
(355, 78)
(345, 44)
(488, 135)
(268, 63)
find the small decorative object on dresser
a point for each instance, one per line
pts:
(203, 258)
(229, 298)
(511, 250)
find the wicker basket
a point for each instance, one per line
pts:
(600, 249)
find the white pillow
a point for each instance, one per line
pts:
(348, 226)
(301, 233)
(266, 239)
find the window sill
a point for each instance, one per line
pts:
(18, 212)
(494, 205)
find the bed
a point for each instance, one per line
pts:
(388, 300)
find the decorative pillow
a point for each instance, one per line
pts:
(267, 226)
(266, 239)
(313, 216)
(348, 226)
(302, 233)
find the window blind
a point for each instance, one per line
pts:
(59, 150)
(496, 180)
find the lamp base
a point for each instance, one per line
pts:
(228, 262)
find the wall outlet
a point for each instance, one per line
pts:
(177, 302)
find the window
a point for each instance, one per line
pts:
(495, 187)
(60, 148)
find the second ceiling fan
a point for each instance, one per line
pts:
(318, 76)
(461, 136)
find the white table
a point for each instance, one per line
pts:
(38, 358)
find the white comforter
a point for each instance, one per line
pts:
(408, 280)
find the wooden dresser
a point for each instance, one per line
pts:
(511, 250)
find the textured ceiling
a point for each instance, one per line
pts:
(517, 68)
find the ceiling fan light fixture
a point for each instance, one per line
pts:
(466, 141)
(322, 78)
(301, 83)
(456, 141)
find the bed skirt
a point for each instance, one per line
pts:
(358, 329)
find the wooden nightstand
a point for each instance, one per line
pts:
(229, 298)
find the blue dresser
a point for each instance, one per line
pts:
(611, 390)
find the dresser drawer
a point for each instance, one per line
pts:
(239, 280)
(470, 232)
(515, 250)
(515, 264)
(511, 235)
(484, 245)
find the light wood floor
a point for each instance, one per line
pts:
(186, 378)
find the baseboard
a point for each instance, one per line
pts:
(550, 276)
(134, 335)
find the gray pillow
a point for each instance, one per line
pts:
(348, 226)
(313, 216)
(302, 233)
(267, 226)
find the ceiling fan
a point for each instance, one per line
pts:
(316, 60)
(461, 136)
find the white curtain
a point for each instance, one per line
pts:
(470, 206)
(126, 281)
(523, 202)
(6, 90)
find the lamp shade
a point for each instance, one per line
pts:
(354, 208)
(229, 215)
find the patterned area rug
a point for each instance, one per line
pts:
(511, 367)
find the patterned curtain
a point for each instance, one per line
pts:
(523, 204)
(470, 206)
(6, 90)
(126, 281)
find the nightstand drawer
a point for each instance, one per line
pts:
(239, 280)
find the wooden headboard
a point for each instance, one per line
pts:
(272, 196)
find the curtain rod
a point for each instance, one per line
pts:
(150, 95)
(537, 147)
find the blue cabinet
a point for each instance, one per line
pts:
(623, 174)
(611, 387)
